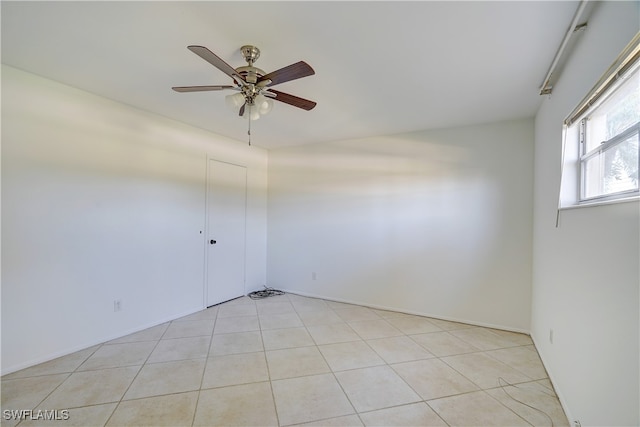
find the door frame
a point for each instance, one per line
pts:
(207, 226)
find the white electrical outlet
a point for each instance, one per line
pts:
(576, 423)
(117, 305)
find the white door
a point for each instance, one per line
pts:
(226, 218)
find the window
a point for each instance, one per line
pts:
(606, 128)
(609, 143)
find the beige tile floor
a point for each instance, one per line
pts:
(291, 360)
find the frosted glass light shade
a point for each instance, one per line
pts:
(251, 112)
(234, 101)
(263, 104)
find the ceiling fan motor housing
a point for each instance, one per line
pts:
(250, 73)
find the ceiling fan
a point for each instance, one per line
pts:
(254, 95)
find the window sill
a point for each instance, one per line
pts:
(634, 198)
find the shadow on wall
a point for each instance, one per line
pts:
(412, 222)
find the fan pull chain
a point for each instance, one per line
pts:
(249, 131)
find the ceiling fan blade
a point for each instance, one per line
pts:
(217, 62)
(305, 104)
(200, 88)
(288, 73)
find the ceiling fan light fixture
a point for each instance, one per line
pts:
(254, 96)
(234, 101)
(251, 112)
(263, 104)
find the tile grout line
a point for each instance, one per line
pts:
(482, 389)
(409, 385)
(266, 362)
(137, 373)
(315, 345)
(69, 374)
(385, 363)
(206, 362)
(440, 358)
(332, 372)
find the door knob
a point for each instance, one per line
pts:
(213, 242)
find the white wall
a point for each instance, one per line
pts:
(435, 222)
(585, 273)
(100, 202)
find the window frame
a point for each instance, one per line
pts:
(599, 151)
(625, 65)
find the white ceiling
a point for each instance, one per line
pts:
(381, 67)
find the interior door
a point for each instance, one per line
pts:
(226, 228)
